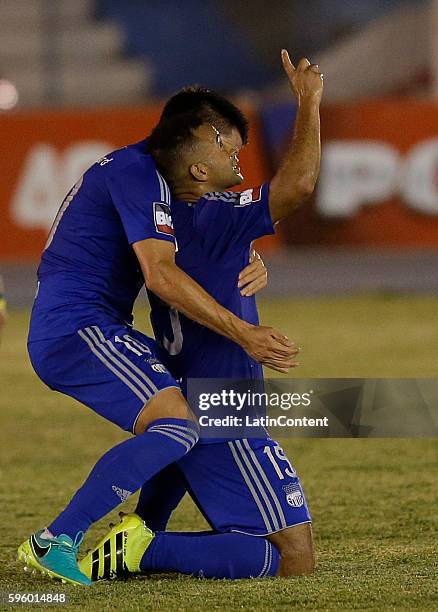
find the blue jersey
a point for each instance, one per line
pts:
(214, 238)
(89, 273)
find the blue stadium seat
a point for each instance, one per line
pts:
(187, 41)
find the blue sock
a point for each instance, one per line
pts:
(123, 470)
(211, 555)
(159, 497)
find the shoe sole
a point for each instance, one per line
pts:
(26, 556)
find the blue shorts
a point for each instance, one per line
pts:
(113, 369)
(246, 486)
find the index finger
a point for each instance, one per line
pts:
(286, 61)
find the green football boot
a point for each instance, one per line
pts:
(55, 557)
(119, 553)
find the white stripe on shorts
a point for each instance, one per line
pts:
(124, 358)
(268, 485)
(127, 369)
(113, 369)
(263, 491)
(254, 493)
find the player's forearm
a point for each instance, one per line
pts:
(295, 180)
(180, 291)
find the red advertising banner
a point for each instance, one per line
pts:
(378, 184)
(379, 177)
(43, 154)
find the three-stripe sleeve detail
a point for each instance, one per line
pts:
(222, 196)
(164, 189)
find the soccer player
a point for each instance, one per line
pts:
(244, 487)
(112, 233)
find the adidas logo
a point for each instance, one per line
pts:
(122, 493)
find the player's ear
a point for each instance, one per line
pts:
(199, 172)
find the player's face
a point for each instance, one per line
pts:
(223, 162)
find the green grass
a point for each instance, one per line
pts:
(373, 501)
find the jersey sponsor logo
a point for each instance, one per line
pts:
(294, 495)
(250, 196)
(163, 218)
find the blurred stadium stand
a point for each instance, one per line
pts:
(104, 52)
(389, 55)
(373, 225)
(305, 27)
(240, 42)
(188, 41)
(56, 53)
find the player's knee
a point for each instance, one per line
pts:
(295, 546)
(168, 403)
(292, 564)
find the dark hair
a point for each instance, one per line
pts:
(207, 105)
(183, 113)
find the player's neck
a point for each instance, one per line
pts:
(191, 193)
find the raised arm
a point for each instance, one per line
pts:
(296, 177)
(176, 288)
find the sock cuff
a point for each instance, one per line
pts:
(271, 561)
(184, 431)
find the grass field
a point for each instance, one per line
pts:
(373, 501)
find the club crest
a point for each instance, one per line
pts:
(294, 495)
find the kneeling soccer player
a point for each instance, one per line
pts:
(114, 224)
(244, 487)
